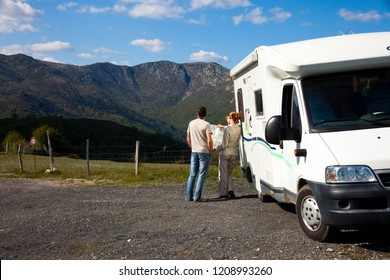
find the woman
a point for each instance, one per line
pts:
(227, 152)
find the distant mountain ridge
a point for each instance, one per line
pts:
(159, 97)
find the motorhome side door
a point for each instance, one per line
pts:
(240, 107)
(292, 130)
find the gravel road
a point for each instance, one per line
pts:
(50, 219)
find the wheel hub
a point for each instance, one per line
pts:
(311, 213)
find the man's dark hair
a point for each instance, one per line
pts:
(202, 112)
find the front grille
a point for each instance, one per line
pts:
(384, 177)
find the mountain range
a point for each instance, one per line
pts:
(158, 97)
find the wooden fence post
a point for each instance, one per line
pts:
(137, 143)
(35, 160)
(20, 158)
(87, 156)
(50, 152)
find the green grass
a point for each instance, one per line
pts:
(101, 172)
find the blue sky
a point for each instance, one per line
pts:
(131, 32)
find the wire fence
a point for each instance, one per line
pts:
(146, 153)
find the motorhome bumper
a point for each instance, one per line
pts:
(353, 204)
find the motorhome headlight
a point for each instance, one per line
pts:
(349, 174)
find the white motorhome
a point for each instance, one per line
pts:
(315, 119)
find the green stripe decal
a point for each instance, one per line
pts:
(274, 154)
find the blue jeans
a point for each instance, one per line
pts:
(200, 162)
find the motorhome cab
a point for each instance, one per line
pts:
(316, 128)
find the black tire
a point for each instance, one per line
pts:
(309, 216)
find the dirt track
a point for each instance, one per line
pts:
(43, 219)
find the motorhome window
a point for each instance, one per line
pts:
(347, 101)
(291, 121)
(240, 104)
(291, 115)
(295, 115)
(259, 103)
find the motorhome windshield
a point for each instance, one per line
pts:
(348, 101)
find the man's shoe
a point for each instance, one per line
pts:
(189, 199)
(231, 195)
(201, 200)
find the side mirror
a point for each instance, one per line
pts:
(272, 130)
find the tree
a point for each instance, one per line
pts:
(13, 138)
(56, 137)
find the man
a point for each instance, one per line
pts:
(201, 144)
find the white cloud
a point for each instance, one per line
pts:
(226, 4)
(17, 15)
(13, 49)
(123, 62)
(278, 14)
(66, 6)
(238, 19)
(93, 10)
(200, 21)
(154, 45)
(208, 56)
(52, 46)
(27, 49)
(133, 1)
(86, 55)
(50, 59)
(105, 51)
(119, 8)
(37, 50)
(156, 9)
(256, 16)
(359, 16)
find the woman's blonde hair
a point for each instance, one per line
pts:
(234, 116)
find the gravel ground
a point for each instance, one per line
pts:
(50, 219)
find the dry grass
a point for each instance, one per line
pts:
(74, 171)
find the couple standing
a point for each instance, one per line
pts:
(199, 139)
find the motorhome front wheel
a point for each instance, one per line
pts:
(309, 216)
